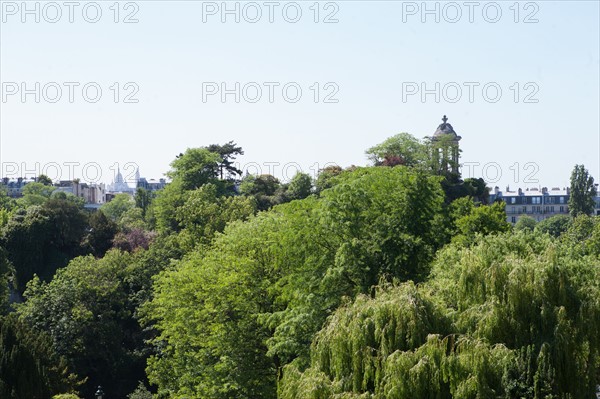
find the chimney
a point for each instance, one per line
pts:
(544, 190)
(520, 191)
(496, 190)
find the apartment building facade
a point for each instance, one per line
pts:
(538, 203)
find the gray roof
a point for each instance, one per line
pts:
(535, 192)
(445, 129)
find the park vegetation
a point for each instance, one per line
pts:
(389, 281)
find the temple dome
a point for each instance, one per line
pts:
(119, 185)
(445, 129)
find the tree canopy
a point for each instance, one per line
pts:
(512, 316)
(227, 152)
(86, 310)
(277, 277)
(29, 367)
(554, 225)
(41, 239)
(526, 223)
(401, 149)
(582, 193)
(397, 280)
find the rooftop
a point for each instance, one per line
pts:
(445, 129)
(535, 191)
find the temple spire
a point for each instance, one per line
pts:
(445, 149)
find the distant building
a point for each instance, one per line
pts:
(14, 187)
(119, 185)
(445, 148)
(538, 203)
(91, 193)
(94, 194)
(152, 184)
(110, 196)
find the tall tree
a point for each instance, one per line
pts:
(100, 234)
(228, 153)
(6, 272)
(35, 193)
(484, 220)
(526, 223)
(230, 316)
(326, 178)
(195, 167)
(87, 312)
(582, 193)
(210, 344)
(41, 239)
(510, 317)
(266, 189)
(6, 202)
(29, 366)
(554, 225)
(143, 199)
(164, 207)
(118, 206)
(402, 148)
(477, 188)
(205, 213)
(300, 186)
(45, 180)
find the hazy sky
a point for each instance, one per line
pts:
(316, 83)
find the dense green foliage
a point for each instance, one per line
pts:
(87, 311)
(6, 272)
(29, 367)
(35, 194)
(143, 198)
(227, 153)
(480, 220)
(118, 207)
(401, 149)
(210, 345)
(526, 223)
(583, 191)
(101, 232)
(512, 316)
(554, 225)
(299, 187)
(141, 392)
(266, 190)
(391, 281)
(326, 178)
(231, 317)
(42, 238)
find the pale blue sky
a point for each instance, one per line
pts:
(371, 54)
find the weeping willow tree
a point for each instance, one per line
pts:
(526, 291)
(513, 316)
(396, 345)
